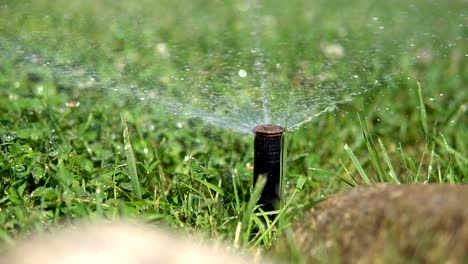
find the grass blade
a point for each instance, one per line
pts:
(373, 154)
(131, 161)
(357, 165)
(431, 159)
(389, 163)
(211, 186)
(300, 184)
(451, 150)
(354, 183)
(257, 191)
(423, 111)
(249, 212)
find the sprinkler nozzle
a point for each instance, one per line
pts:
(267, 163)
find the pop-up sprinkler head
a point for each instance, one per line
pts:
(267, 163)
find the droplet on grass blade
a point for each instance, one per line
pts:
(242, 73)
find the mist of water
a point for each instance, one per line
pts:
(233, 64)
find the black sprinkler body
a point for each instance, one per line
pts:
(267, 163)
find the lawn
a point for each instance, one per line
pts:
(119, 108)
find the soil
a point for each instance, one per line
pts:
(387, 223)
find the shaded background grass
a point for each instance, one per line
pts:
(75, 142)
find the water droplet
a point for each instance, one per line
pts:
(39, 89)
(333, 51)
(162, 49)
(73, 104)
(242, 73)
(9, 137)
(53, 153)
(432, 99)
(12, 97)
(18, 168)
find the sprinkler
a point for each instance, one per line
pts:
(267, 163)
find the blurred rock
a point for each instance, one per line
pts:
(119, 243)
(388, 223)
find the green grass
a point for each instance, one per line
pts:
(115, 156)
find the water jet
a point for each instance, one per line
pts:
(267, 163)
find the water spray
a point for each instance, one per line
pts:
(267, 163)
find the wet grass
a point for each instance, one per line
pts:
(71, 148)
